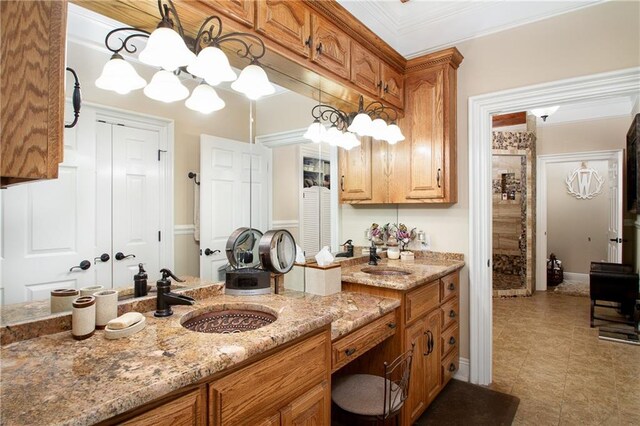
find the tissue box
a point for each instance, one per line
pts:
(294, 279)
(323, 280)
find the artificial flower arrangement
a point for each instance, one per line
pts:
(392, 234)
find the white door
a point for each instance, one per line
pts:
(136, 221)
(234, 192)
(50, 226)
(614, 232)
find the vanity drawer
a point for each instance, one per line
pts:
(450, 339)
(422, 300)
(449, 286)
(358, 342)
(449, 312)
(449, 367)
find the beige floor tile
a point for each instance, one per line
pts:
(537, 413)
(582, 413)
(629, 418)
(540, 386)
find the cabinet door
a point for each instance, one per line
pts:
(331, 47)
(273, 420)
(240, 10)
(355, 172)
(432, 360)
(392, 89)
(365, 69)
(285, 22)
(311, 409)
(418, 167)
(32, 54)
(416, 400)
(183, 411)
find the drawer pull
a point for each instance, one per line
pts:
(307, 42)
(452, 341)
(452, 314)
(350, 351)
(452, 367)
(319, 49)
(429, 335)
(391, 325)
(452, 286)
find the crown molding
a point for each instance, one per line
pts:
(450, 56)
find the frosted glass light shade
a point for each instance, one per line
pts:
(393, 134)
(212, 65)
(119, 76)
(361, 125)
(379, 129)
(315, 132)
(253, 82)
(166, 87)
(349, 141)
(333, 136)
(204, 99)
(165, 48)
(544, 112)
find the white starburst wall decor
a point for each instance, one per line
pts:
(584, 183)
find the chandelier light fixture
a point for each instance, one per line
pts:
(170, 50)
(375, 120)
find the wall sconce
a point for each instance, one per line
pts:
(371, 120)
(169, 49)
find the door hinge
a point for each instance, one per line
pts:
(101, 121)
(159, 235)
(159, 152)
(488, 263)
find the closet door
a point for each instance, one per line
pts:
(135, 188)
(51, 226)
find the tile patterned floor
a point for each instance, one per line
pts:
(546, 354)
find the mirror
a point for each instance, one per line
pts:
(277, 251)
(86, 53)
(242, 248)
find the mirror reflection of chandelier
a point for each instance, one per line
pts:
(168, 49)
(345, 128)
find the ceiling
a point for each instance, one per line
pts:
(619, 106)
(417, 27)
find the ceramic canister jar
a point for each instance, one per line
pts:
(106, 307)
(83, 317)
(88, 291)
(393, 252)
(61, 299)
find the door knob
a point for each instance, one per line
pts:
(104, 257)
(84, 265)
(209, 252)
(120, 256)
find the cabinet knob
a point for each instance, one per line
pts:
(452, 286)
(452, 314)
(452, 367)
(392, 325)
(452, 341)
(350, 351)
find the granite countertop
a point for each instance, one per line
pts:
(54, 379)
(425, 268)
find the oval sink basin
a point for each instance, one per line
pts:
(227, 320)
(385, 271)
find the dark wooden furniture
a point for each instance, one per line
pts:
(614, 282)
(633, 165)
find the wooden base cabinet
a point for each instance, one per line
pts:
(289, 387)
(429, 318)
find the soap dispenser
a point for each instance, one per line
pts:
(140, 282)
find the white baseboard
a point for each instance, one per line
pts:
(183, 229)
(574, 276)
(463, 370)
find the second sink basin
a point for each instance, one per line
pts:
(228, 319)
(385, 271)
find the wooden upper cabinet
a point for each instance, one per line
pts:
(32, 86)
(422, 152)
(355, 173)
(392, 89)
(365, 69)
(240, 10)
(285, 22)
(331, 47)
